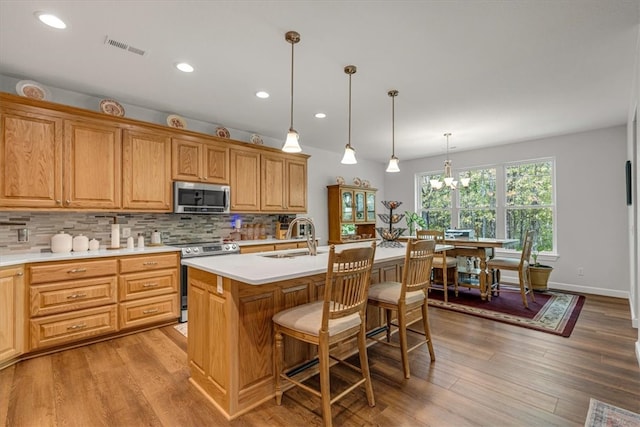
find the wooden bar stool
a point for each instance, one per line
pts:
(407, 296)
(337, 318)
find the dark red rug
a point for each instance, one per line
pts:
(553, 312)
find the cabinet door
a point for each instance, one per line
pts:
(371, 206)
(272, 192)
(245, 180)
(359, 206)
(11, 312)
(146, 165)
(296, 185)
(92, 165)
(30, 160)
(185, 160)
(215, 159)
(346, 197)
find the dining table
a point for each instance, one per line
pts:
(481, 248)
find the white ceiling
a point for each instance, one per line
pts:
(489, 72)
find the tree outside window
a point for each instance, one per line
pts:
(435, 205)
(477, 203)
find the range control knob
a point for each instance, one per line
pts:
(196, 250)
(187, 250)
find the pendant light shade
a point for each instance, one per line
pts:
(449, 181)
(349, 157)
(291, 144)
(393, 162)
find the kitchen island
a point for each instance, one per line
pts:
(232, 300)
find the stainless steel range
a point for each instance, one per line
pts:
(200, 249)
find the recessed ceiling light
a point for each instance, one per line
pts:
(51, 20)
(320, 115)
(262, 94)
(183, 66)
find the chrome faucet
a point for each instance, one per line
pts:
(311, 236)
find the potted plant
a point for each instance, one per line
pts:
(414, 219)
(538, 273)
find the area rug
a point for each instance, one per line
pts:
(182, 328)
(604, 415)
(553, 312)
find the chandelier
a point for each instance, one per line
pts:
(393, 162)
(291, 144)
(449, 181)
(349, 157)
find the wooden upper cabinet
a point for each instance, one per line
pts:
(245, 180)
(30, 159)
(146, 166)
(199, 160)
(92, 165)
(284, 183)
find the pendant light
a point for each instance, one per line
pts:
(349, 157)
(291, 144)
(448, 173)
(393, 162)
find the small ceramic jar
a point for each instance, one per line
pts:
(80, 243)
(94, 245)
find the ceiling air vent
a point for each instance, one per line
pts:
(124, 46)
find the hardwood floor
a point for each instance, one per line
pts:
(486, 373)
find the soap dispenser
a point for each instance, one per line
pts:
(140, 241)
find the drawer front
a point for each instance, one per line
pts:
(143, 285)
(47, 273)
(72, 295)
(146, 263)
(149, 310)
(66, 328)
(256, 248)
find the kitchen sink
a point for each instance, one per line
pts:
(290, 254)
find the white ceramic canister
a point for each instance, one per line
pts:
(155, 238)
(94, 245)
(80, 243)
(61, 242)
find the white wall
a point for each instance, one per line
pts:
(590, 196)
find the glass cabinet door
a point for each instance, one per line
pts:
(360, 206)
(371, 206)
(347, 205)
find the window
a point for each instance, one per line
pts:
(434, 205)
(502, 201)
(529, 202)
(477, 203)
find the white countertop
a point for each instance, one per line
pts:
(256, 269)
(29, 257)
(271, 241)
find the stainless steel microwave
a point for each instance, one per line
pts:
(198, 198)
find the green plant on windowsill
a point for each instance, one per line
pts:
(414, 219)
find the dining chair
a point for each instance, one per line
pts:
(440, 260)
(338, 317)
(405, 297)
(521, 266)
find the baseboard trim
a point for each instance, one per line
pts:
(575, 288)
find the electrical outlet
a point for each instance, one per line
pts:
(126, 232)
(580, 271)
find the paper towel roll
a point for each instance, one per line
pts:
(115, 235)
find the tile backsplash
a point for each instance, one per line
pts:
(175, 228)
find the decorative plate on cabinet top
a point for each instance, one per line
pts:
(33, 90)
(222, 132)
(339, 180)
(111, 107)
(357, 182)
(366, 184)
(176, 121)
(256, 139)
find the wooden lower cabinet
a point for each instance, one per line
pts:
(74, 326)
(148, 310)
(12, 329)
(230, 346)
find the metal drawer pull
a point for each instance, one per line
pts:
(150, 263)
(74, 296)
(77, 270)
(153, 310)
(150, 285)
(80, 326)
(19, 273)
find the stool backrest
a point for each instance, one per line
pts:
(347, 282)
(418, 261)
